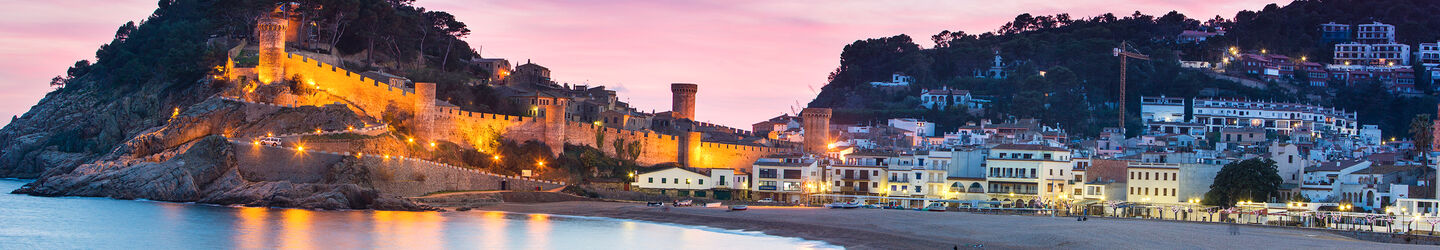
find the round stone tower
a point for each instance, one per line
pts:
(683, 106)
(817, 130)
(270, 33)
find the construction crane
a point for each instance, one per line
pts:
(1125, 52)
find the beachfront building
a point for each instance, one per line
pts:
(1169, 183)
(965, 188)
(1280, 117)
(693, 182)
(1014, 172)
(785, 178)
(856, 179)
(945, 97)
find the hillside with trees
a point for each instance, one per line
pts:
(1081, 82)
(151, 69)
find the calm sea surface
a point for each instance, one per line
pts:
(28, 222)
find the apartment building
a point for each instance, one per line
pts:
(1279, 117)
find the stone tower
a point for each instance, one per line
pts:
(425, 110)
(817, 130)
(553, 114)
(270, 33)
(683, 106)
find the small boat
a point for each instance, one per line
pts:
(654, 204)
(936, 208)
(845, 205)
(738, 207)
(712, 204)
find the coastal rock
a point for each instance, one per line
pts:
(188, 160)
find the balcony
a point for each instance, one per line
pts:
(899, 179)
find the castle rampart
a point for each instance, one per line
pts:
(484, 131)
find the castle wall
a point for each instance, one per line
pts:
(655, 148)
(484, 130)
(731, 156)
(368, 96)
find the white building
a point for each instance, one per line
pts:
(1274, 116)
(1429, 54)
(1375, 33)
(687, 181)
(1162, 108)
(1289, 162)
(1322, 180)
(896, 80)
(786, 179)
(920, 127)
(1019, 174)
(1168, 183)
(945, 97)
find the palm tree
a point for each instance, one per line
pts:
(1421, 130)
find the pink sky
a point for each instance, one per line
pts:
(753, 59)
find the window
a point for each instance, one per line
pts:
(1032, 173)
(700, 181)
(837, 183)
(662, 180)
(792, 174)
(875, 184)
(892, 188)
(722, 181)
(651, 180)
(767, 173)
(677, 181)
(918, 176)
(917, 189)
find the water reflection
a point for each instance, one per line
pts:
(250, 233)
(539, 231)
(413, 230)
(28, 222)
(296, 234)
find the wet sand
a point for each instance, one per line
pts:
(903, 229)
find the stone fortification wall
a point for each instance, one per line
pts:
(368, 96)
(391, 175)
(483, 130)
(722, 155)
(655, 148)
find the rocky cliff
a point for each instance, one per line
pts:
(190, 159)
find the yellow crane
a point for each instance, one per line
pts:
(1125, 52)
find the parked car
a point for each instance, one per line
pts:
(270, 141)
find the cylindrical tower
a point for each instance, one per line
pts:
(817, 130)
(270, 33)
(683, 106)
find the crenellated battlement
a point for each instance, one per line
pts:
(483, 130)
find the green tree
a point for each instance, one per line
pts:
(1254, 180)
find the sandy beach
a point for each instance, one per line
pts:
(903, 229)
